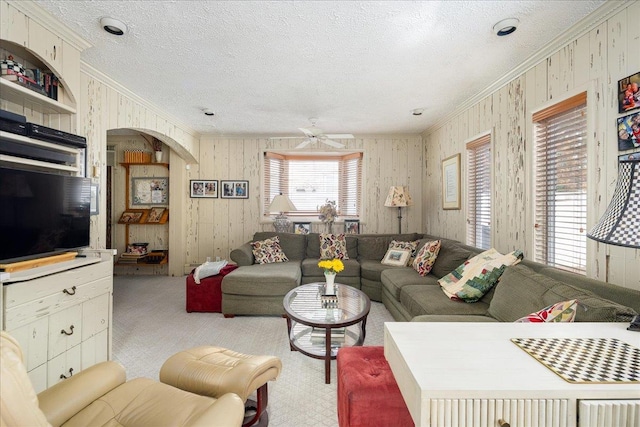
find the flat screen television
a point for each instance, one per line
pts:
(42, 214)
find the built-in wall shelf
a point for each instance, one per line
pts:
(17, 94)
(127, 164)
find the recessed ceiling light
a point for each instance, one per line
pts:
(417, 111)
(506, 26)
(113, 26)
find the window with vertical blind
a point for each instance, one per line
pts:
(561, 184)
(310, 180)
(479, 192)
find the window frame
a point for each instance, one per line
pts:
(477, 142)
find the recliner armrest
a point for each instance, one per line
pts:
(65, 399)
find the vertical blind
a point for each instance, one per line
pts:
(479, 192)
(310, 180)
(561, 184)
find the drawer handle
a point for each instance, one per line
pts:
(64, 377)
(62, 331)
(70, 292)
(503, 423)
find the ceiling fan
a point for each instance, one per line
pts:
(315, 134)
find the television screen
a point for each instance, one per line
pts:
(42, 214)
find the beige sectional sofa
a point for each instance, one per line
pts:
(524, 288)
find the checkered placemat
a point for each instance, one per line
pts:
(586, 360)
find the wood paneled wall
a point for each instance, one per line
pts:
(217, 226)
(593, 62)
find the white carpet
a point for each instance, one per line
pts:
(150, 324)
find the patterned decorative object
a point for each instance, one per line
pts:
(268, 251)
(333, 246)
(475, 277)
(620, 223)
(423, 263)
(564, 311)
(8, 66)
(412, 246)
(328, 212)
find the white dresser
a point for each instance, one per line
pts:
(471, 374)
(61, 315)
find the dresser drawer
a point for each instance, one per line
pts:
(33, 342)
(65, 330)
(64, 365)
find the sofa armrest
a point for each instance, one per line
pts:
(243, 255)
(65, 399)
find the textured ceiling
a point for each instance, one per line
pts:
(265, 67)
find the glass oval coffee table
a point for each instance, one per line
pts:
(318, 328)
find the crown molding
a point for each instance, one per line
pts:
(44, 18)
(585, 25)
(99, 75)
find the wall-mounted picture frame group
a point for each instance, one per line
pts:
(352, 226)
(234, 189)
(451, 182)
(150, 191)
(203, 188)
(302, 227)
(629, 93)
(629, 131)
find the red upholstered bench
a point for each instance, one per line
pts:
(368, 394)
(206, 296)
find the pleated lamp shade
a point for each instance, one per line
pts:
(620, 224)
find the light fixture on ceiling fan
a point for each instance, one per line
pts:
(315, 134)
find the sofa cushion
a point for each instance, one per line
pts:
(471, 280)
(310, 269)
(371, 269)
(563, 311)
(268, 251)
(333, 246)
(394, 279)
(449, 258)
(274, 279)
(522, 291)
(426, 257)
(293, 245)
(425, 299)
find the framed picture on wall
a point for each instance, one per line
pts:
(352, 226)
(629, 132)
(302, 227)
(451, 182)
(629, 93)
(150, 191)
(206, 189)
(234, 189)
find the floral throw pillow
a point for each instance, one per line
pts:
(333, 246)
(268, 251)
(424, 260)
(564, 311)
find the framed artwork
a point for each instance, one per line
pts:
(451, 182)
(629, 93)
(397, 257)
(133, 216)
(302, 227)
(203, 189)
(95, 198)
(156, 215)
(629, 132)
(235, 189)
(150, 191)
(352, 226)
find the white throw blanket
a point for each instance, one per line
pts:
(208, 269)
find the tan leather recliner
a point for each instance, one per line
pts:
(101, 396)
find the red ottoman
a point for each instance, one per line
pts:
(207, 296)
(368, 394)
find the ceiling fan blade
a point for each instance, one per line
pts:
(340, 136)
(304, 143)
(332, 143)
(307, 132)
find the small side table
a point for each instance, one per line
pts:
(206, 296)
(307, 318)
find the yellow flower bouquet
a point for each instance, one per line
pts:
(331, 265)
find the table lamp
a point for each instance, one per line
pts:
(282, 204)
(398, 197)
